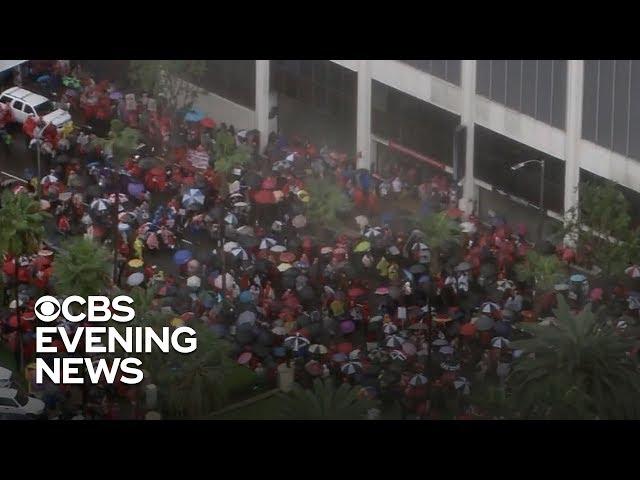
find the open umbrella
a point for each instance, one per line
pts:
(194, 281)
(504, 285)
(417, 380)
(450, 365)
(265, 197)
(363, 246)
(246, 318)
(318, 349)
(490, 308)
(283, 267)
(266, 243)
(467, 227)
(208, 122)
(230, 281)
(135, 279)
(484, 323)
(299, 221)
(231, 219)
(397, 355)
(296, 342)
(351, 368)
(446, 350)
(577, 278)
(373, 232)
(182, 256)
(633, 271)
(468, 330)
(193, 198)
(194, 116)
(393, 341)
(99, 205)
(278, 249)
(418, 269)
(287, 257)
(382, 291)
(461, 383)
(442, 318)
(240, 252)
(229, 246)
(280, 331)
(500, 342)
(463, 267)
(389, 329)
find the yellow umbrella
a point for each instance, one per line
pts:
(363, 246)
(177, 322)
(136, 263)
(283, 267)
(337, 307)
(304, 196)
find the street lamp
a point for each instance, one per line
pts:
(518, 166)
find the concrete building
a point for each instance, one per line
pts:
(577, 115)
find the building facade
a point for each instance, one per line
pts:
(580, 116)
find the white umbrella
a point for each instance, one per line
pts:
(393, 341)
(231, 219)
(373, 232)
(278, 249)
(634, 303)
(633, 271)
(299, 221)
(318, 349)
(230, 281)
(362, 221)
(193, 197)
(450, 366)
(194, 281)
(296, 342)
(504, 285)
(389, 329)
(135, 279)
(467, 227)
(99, 205)
(246, 230)
(354, 354)
(446, 350)
(500, 342)
(490, 307)
(376, 318)
(240, 253)
(461, 383)
(267, 243)
(397, 355)
(280, 331)
(420, 246)
(51, 178)
(351, 368)
(418, 380)
(229, 246)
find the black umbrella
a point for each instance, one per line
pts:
(252, 179)
(248, 241)
(417, 269)
(306, 293)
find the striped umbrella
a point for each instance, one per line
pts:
(267, 242)
(318, 349)
(461, 383)
(500, 342)
(296, 342)
(397, 355)
(446, 350)
(450, 365)
(373, 232)
(99, 205)
(418, 380)
(633, 271)
(390, 329)
(351, 368)
(393, 341)
(490, 307)
(504, 285)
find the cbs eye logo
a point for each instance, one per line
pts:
(47, 308)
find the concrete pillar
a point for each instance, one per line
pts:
(363, 127)
(262, 101)
(468, 84)
(575, 90)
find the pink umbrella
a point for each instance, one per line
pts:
(633, 271)
(244, 358)
(382, 291)
(269, 183)
(409, 348)
(347, 326)
(596, 294)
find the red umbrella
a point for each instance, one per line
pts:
(356, 292)
(287, 257)
(345, 347)
(208, 122)
(468, 329)
(454, 212)
(265, 197)
(269, 183)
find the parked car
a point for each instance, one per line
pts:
(25, 104)
(15, 402)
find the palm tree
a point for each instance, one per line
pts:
(580, 369)
(324, 402)
(326, 202)
(122, 142)
(190, 386)
(21, 231)
(439, 230)
(81, 268)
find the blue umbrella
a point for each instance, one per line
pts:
(424, 279)
(279, 352)
(43, 78)
(194, 116)
(182, 256)
(193, 197)
(502, 329)
(578, 278)
(135, 189)
(246, 297)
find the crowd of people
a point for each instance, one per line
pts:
(240, 253)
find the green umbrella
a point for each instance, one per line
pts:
(363, 246)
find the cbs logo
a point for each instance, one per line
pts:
(99, 308)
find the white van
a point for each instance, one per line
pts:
(26, 104)
(14, 402)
